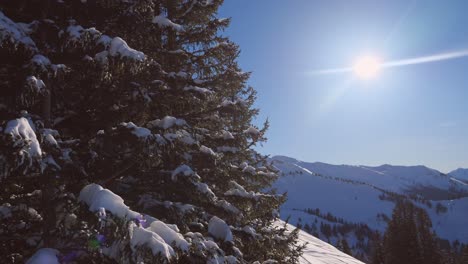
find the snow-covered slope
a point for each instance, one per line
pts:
(460, 174)
(363, 195)
(319, 252)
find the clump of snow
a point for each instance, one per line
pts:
(219, 229)
(228, 102)
(183, 170)
(207, 2)
(74, 31)
(163, 22)
(250, 230)
(227, 135)
(97, 197)
(49, 136)
(20, 128)
(40, 60)
(35, 83)
(204, 188)
(104, 40)
(229, 207)
(143, 237)
(167, 122)
(44, 256)
(249, 169)
(197, 89)
(252, 131)
(239, 190)
(181, 135)
(11, 31)
(207, 150)
(211, 245)
(140, 132)
(169, 235)
(118, 47)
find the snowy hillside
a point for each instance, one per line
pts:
(460, 174)
(319, 252)
(354, 195)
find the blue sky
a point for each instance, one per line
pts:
(409, 115)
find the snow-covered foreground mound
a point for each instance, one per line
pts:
(319, 252)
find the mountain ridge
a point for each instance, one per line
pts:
(360, 199)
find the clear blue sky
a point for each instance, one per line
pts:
(411, 115)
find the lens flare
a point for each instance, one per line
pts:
(369, 66)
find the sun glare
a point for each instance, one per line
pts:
(367, 67)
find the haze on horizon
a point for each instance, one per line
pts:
(411, 115)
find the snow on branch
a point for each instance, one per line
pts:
(167, 122)
(226, 135)
(198, 89)
(35, 83)
(140, 132)
(22, 131)
(97, 197)
(183, 170)
(219, 229)
(207, 150)
(157, 236)
(228, 102)
(239, 190)
(115, 47)
(252, 131)
(118, 47)
(13, 32)
(164, 22)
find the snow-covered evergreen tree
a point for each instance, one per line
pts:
(112, 105)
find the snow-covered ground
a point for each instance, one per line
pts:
(319, 252)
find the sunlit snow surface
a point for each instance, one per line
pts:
(319, 252)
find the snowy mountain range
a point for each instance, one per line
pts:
(351, 202)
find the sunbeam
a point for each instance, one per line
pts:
(403, 62)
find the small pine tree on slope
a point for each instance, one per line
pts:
(143, 98)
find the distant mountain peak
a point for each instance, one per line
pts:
(394, 178)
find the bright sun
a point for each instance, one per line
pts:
(367, 67)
